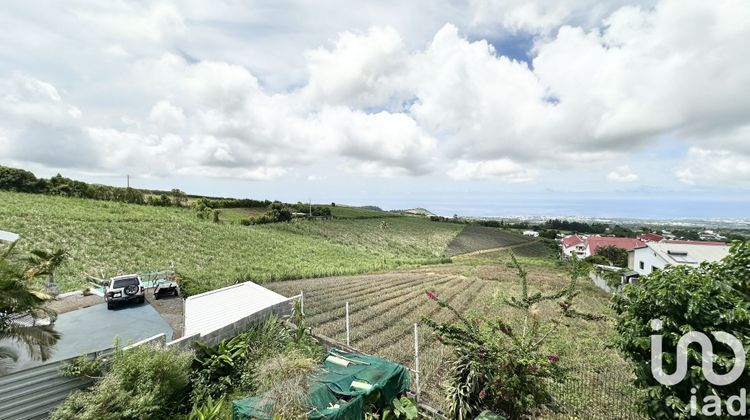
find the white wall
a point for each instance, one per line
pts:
(649, 258)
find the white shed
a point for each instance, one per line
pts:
(212, 310)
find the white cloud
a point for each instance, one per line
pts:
(176, 87)
(500, 169)
(714, 167)
(622, 174)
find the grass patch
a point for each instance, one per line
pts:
(476, 238)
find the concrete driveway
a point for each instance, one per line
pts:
(94, 328)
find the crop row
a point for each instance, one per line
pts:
(375, 305)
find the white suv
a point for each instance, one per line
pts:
(125, 288)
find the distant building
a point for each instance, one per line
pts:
(653, 256)
(650, 237)
(586, 246)
(710, 235)
(574, 245)
(531, 233)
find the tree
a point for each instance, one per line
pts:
(616, 256)
(280, 212)
(710, 298)
(179, 198)
(45, 263)
(19, 301)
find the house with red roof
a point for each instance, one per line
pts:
(585, 246)
(650, 237)
(574, 245)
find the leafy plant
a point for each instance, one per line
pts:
(86, 367)
(498, 366)
(401, 408)
(210, 410)
(709, 298)
(144, 382)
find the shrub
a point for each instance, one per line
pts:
(144, 382)
(712, 297)
(500, 367)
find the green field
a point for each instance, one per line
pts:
(117, 238)
(475, 238)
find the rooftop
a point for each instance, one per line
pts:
(680, 252)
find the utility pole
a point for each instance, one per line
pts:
(128, 176)
(309, 201)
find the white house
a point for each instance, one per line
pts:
(654, 256)
(574, 245)
(531, 233)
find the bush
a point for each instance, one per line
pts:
(500, 367)
(713, 297)
(144, 382)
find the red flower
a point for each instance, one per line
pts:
(431, 295)
(482, 394)
(553, 358)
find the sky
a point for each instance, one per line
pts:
(478, 107)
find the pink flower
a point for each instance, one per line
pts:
(431, 295)
(482, 394)
(553, 358)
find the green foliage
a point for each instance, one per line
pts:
(209, 410)
(499, 366)
(144, 382)
(613, 255)
(18, 299)
(712, 297)
(86, 367)
(115, 237)
(401, 408)
(596, 259)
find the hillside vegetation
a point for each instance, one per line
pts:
(476, 238)
(112, 237)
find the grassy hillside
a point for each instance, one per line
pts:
(117, 238)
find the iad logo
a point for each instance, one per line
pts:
(707, 353)
(712, 403)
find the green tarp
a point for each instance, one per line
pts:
(331, 394)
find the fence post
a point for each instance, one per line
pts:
(416, 359)
(347, 324)
(302, 301)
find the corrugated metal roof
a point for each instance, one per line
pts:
(8, 236)
(212, 310)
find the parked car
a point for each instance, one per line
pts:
(124, 289)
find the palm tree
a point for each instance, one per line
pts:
(45, 263)
(23, 317)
